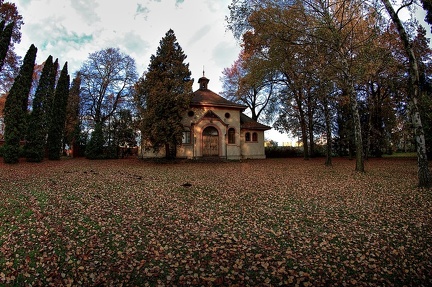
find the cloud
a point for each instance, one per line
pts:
(24, 3)
(141, 11)
(133, 43)
(87, 10)
(72, 29)
(199, 34)
(224, 52)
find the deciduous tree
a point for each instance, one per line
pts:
(424, 175)
(107, 79)
(9, 13)
(248, 82)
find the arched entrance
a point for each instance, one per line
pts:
(210, 142)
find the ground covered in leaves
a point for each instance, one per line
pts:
(274, 222)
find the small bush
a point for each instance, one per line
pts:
(111, 152)
(282, 152)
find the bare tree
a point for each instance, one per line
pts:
(107, 79)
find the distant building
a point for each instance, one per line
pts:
(215, 127)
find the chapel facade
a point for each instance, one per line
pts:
(215, 127)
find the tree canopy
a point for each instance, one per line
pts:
(39, 116)
(107, 79)
(57, 119)
(15, 111)
(164, 94)
(338, 68)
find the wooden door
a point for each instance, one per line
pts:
(210, 142)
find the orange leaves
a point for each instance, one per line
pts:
(273, 222)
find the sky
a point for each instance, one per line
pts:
(72, 29)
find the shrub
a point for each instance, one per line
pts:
(282, 152)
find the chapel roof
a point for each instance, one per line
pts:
(205, 97)
(250, 124)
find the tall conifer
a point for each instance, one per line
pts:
(72, 126)
(37, 127)
(15, 111)
(167, 89)
(5, 38)
(58, 115)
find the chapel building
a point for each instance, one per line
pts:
(215, 127)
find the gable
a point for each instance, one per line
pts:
(248, 123)
(211, 116)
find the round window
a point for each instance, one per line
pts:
(191, 113)
(227, 115)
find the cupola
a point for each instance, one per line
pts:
(203, 82)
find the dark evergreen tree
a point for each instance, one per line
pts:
(72, 127)
(37, 126)
(58, 115)
(124, 132)
(94, 148)
(5, 39)
(50, 95)
(15, 111)
(167, 90)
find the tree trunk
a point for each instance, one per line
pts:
(357, 131)
(424, 175)
(310, 128)
(303, 127)
(328, 161)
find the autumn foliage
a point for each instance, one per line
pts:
(276, 222)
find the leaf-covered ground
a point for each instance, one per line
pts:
(274, 222)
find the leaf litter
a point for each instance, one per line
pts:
(274, 222)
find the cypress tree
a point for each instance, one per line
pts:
(15, 111)
(50, 94)
(5, 38)
(58, 115)
(37, 126)
(168, 90)
(72, 126)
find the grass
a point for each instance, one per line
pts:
(401, 155)
(272, 222)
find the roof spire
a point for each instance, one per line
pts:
(203, 81)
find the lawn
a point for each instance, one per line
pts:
(272, 222)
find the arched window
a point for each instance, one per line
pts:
(247, 137)
(231, 136)
(186, 136)
(254, 137)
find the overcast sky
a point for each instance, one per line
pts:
(71, 29)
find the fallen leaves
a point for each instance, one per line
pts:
(267, 223)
